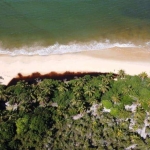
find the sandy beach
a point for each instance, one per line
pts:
(132, 61)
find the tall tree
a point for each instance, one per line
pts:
(143, 75)
(3, 94)
(121, 74)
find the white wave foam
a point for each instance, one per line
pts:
(148, 43)
(61, 49)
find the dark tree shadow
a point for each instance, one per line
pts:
(35, 77)
(2, 105)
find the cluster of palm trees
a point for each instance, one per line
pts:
(53, 114)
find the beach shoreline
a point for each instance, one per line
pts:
(132, 61)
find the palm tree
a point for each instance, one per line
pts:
(115, 98)
(110, 75)
(43, 91)
(148, 83)
(89, 90)
(143, 75)
(103, 87)
(3, 95)
(62, 88)
(105, 80)
(78, 94)
(19, 93)
(46, 86)
(79, 105)
(78, 83)
(121, 73)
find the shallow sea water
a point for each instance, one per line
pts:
(44, 27)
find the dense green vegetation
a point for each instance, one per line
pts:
(100, 112)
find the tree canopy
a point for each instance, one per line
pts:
(103, 112)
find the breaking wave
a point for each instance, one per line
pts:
(68, 48)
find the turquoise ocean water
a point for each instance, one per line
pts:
(46, 27)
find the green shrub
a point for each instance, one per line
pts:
(107, 104)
